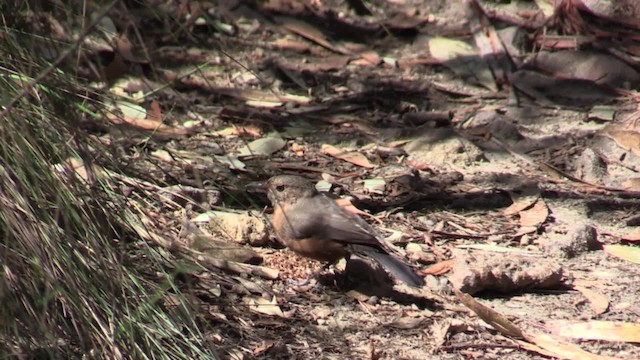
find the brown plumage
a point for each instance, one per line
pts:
(313, 225)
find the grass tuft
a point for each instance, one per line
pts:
(74, 282)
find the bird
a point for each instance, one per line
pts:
(313, 225)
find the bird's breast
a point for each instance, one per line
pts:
(318, 249)
(312, 244)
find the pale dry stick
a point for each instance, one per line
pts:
(461, 228)
(467, 224)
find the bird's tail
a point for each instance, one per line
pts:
(395, 267)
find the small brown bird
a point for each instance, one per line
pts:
(313, 225)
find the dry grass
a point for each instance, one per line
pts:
(74, 281)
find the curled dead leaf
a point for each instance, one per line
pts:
(263, 306)
(536, 215)
(598, 302)
(353, 157)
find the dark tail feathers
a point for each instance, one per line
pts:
(395, 267)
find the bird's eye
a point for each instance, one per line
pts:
(280, 188)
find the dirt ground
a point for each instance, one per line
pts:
(506, 190)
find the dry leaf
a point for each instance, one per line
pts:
(599, 330)
(541, 343)
(134, 115)
(357, 295)
(348, 205)
(124, 47)
(163, 155)
(154, 113)
(632, 184)
(292, 44)
(309, 32)
(240, 130)
(258, 96)
(598, 67)
(525, 230)
(629, 253)
(462, 59)
(598, 302)
(262, 147)
(263, 306)
(439, 268)
(535, 215)
(146, 124)
(264, 104)
(560, 349)
(521, 201)
(626, 139)
(353, 157)
(263, 347)
(632, 236)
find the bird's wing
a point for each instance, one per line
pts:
(323, 218)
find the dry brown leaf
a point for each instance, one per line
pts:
(538, 342)
(309, 32)
(316, 64)
(146, 124)
(560, 349)
(598, 67)
(357, 295)
(240, 130)
(521, 201)
(298, 149)
(632, 184)
(368, 58)
(256, 95)
(439, 268)
(163, 155)
(598, 302)
(632, 236)
(346, 203)
(626, 139)
(263, 306)
(535, 348)
(124, 47)
(599, 330)
(292, 44)
(263, 347)
(353, 157)
(535, 215)
(154, 113)
(523, 230)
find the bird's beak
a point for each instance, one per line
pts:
(256, 187)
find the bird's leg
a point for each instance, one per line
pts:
(313, 275)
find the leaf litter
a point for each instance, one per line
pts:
(479, 122)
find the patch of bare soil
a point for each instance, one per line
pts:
(505, 175)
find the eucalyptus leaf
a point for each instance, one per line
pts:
(131, 111)
(262, 147)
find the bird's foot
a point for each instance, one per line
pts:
(304, 282)
(313, 276)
